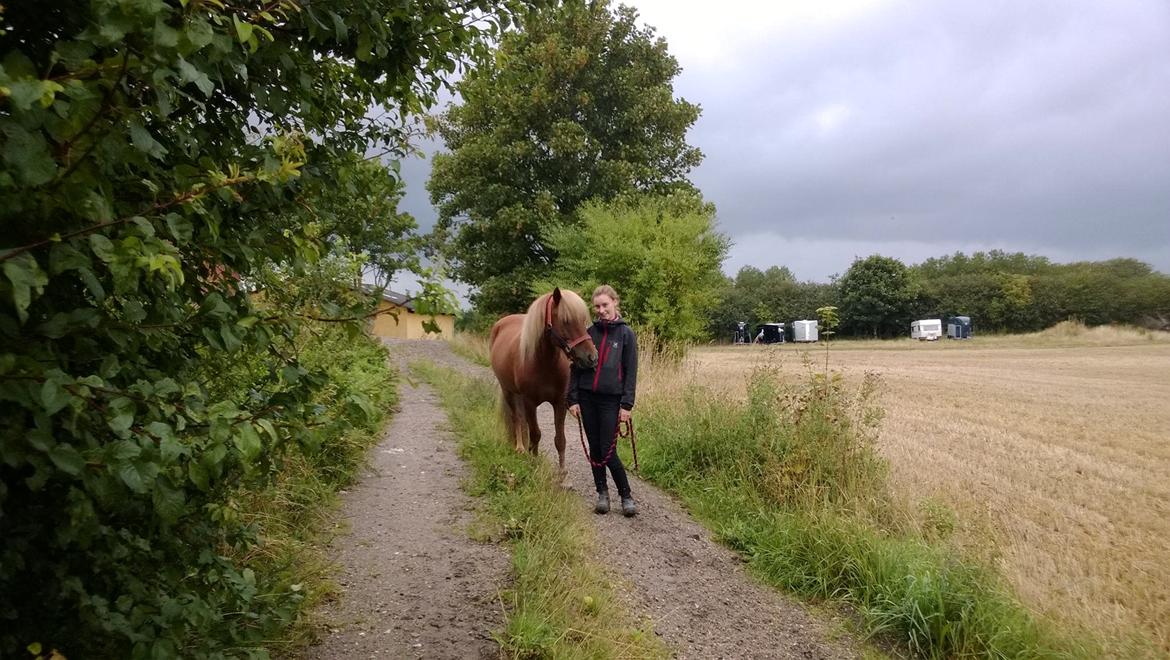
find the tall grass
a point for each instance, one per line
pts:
(789, 477)
(562, 604)
(472, 346)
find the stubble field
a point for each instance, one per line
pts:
(1052, 450)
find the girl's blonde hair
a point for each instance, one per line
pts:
(607, 290)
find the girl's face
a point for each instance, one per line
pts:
(604, 306)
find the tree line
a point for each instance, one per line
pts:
(1002, 292)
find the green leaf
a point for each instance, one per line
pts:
(189, 74)
(144, 141)
(269, 429)
(198, 475)
(230, 341)
(134, 311)
(243, 29)
(169, 502)
(65, 257)
(22, 94)
(102, 247)
(169, 446)
(26, 276)
(248, 442)
(67, 459)
(54, 397)
(124, 450)
(129, 474)
(123, 417)
(164, 35)
(180, 227)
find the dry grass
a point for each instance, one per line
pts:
(472, 346)
(1053, 449)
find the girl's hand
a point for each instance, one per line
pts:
(575, 410)
(623, 415)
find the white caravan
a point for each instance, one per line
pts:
(926, 329)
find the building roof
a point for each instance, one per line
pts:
(400, 299)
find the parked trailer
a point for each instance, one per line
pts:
(804, 331)
(771, 333)
(741, 333)
(926, 329)
(959, 327)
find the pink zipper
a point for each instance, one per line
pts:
(601, 359)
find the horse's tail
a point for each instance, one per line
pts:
(507, 416)
(495, 333)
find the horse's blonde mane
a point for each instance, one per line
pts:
(571, 311)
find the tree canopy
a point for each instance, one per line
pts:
(661, 253)
(576, 105)
(877, 295)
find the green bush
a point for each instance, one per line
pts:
(171, 537)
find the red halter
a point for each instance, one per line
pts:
(565, 344)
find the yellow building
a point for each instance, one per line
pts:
(409, 324)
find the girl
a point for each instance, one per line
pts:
(604, 396)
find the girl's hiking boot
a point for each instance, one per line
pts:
(628, 506)
(602, 502)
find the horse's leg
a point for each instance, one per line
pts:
(559, 411)
(516, 421)
(533, 426)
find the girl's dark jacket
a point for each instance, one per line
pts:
(617, 364)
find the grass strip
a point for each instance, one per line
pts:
(562, 603)
(790, 479)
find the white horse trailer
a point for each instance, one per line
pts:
(804, 331)
(926, 329)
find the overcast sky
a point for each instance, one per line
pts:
(835, 130)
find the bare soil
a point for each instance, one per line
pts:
(413, 585)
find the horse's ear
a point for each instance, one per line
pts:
(557, 295)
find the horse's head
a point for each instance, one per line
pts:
(566, 320)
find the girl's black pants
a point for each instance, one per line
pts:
(599, 415)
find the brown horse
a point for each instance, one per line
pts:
(530, 357)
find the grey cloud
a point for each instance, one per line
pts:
(1042, 124)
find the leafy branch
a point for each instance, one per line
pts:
(191, 195)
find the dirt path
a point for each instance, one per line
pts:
(412, 577)
(412, 584)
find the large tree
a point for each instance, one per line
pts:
(578, 104)
(877, 295)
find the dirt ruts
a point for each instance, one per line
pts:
(415, 586)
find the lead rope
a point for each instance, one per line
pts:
(618, 432)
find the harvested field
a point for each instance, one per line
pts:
(1052, 449)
